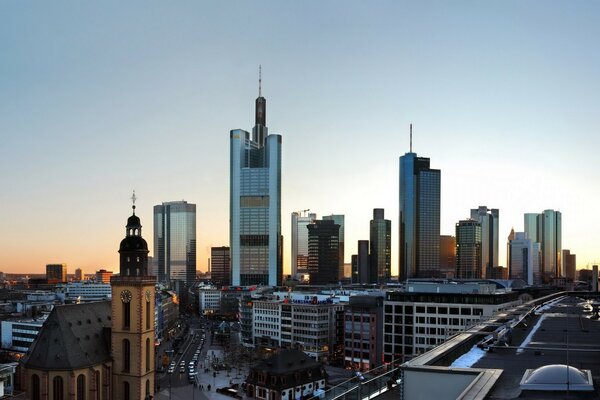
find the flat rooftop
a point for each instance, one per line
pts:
(565, 331)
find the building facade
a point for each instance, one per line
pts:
(361, 263)
(19, 334)
(220, 266)
(363, 332)
(175, 241)
(419, 219)
(547, 230)
(255, 204)
(381, 248)
(84, 291)
(323, 252)
(103, 276)
(447, 256)
(468, 249)
(56, 273)
(489, 221)
(570, 264)
(339, 219)
(300, 243)
(523, 256)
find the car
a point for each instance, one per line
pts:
(171, 370)
(182, 362)
(182, 369)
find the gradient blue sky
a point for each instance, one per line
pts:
(100, 98)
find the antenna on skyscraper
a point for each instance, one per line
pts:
(259, 80)
(411, 138)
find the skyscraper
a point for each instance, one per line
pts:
(339, 219)
(220, 266)
(255, 203)
(523, 258)
(468, 249)
(569, 264)
(419, 220)
(360, 263)
(381, 247)
(323, 254)
(175, 241)
(300, 242)
(547, 230)
(56, 273)
(447, 256)
(488, 219)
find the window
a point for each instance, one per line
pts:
(147, 315)
(147, 388)
(81, 387)
(147, 354)
(126, 315)
(125, 390)
(126, 355)
(35, 387)
(58, 389)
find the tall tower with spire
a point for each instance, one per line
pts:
(255, 202)
(132, 333)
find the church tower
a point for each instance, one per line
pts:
(132, 336)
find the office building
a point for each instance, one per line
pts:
(427, 314)
(209, 299)
(103, 276)
(468, 249)
(323, 252)
(339, 219)
(381, 247)
(19, 334)
(361, 263)
(300, 242)
(547, 230)
(255, 203)
(56, 273)
(220, 266)
(363, 332)
(523, 257)
(447, 256)
(78, 274)
(419, 219)
(175, 241)
(83, 291)
(489, 221)
(570, 264)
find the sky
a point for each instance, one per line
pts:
(99, 99)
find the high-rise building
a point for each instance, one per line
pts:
(78, 274)
(103, 276)
(220, 266)
(300, 242)
(570, 264)
(175, 241)
(468, 249)
(255, 203)
(361, 263)
(56, 273)
(323, 254)
(547, 230)
(339, 219)
(447, 256)
(419, 220)
(523, 257)
(488, 219)
(381, 247)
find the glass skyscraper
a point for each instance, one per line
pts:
(175, 241)
(468, 249)
(300, 242)
(546, 229)
(255, 204)
(419, 220)
(339, 219)
(381, 248)
(488, 219)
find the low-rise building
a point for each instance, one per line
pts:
(209, 300)
(18, 335)
(363, 331)
(84, 291)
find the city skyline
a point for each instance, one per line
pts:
(503, 100)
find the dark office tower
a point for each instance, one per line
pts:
(323, 254)
(488, 218)
(381, 247)
(546, 229)
(339, 219)
(468, 249)
(361, 263)
(175, 241)
(56, 273)
(220, 266)
(447, 256)
(570, 264)
(255, 204)
(419, 220)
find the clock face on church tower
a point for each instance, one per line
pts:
(125, 296)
